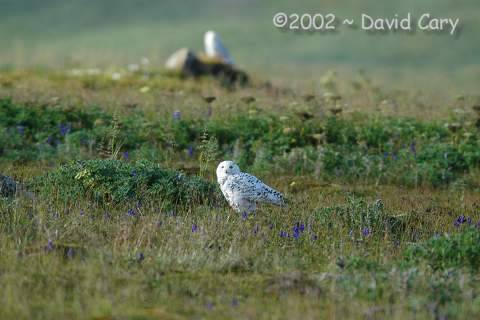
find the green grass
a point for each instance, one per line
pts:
(376, 227)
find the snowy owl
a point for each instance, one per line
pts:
(214, 47)
(242, 190)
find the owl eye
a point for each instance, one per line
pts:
(230, 167)
(222, 167)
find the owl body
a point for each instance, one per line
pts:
(243, 191)
(214, 48)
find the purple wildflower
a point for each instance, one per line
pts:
(298, 229)
(50, 140)
(314, 237)
(125, 155)
(366, 232)
(194, 227)
(82, 213)
(177, 115)
(140, 257)
(65, 128)
(21, 130)
(461, 219)
(131, 213)
(283, 234)
(413, 149)
(385, 155)
(70, 252)
(134, 173)
(469, 220)
(190, 151)
(244, 215)
(50, 246)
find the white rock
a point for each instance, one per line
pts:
(180, 60)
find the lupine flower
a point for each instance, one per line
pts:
(298, 229)
(194, 227)
(21, 130)
(190, 151)
(469, 220)
(413, 149)
(131, 213)
(140, 257)
(366, 232)
(177, 115)
(296, 233)
(125, 155)
(459, 221)
(65, 128)
(283, 234)
(50, 246)
(70, 252)
(244, 215)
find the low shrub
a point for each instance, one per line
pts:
(114, 182)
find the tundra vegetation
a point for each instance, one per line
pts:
(115, 212)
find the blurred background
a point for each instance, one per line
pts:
(102, 33)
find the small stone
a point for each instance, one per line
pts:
(8, 186)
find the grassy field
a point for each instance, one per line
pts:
(116, 212)
(382, 220)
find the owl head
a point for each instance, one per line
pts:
(226, 168)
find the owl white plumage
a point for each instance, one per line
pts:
(243, 191)
(214, 47)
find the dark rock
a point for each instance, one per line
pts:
(186, 63)
(8, 186)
